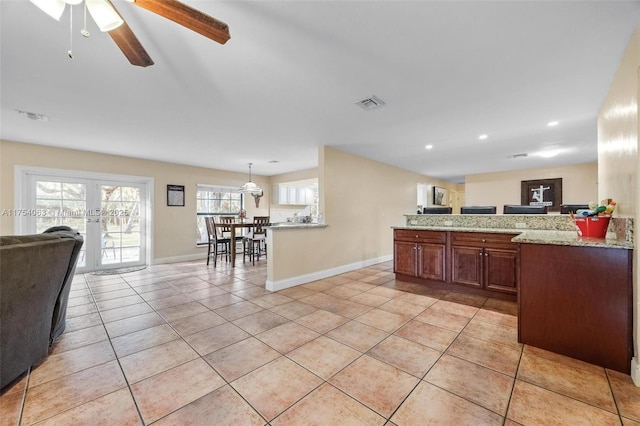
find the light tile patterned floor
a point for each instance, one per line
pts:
(190, 344)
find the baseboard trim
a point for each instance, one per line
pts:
(314, 276)
(635, 371)
(177, 259)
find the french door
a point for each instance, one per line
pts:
(111, 215)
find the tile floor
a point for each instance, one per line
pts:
(190, 344)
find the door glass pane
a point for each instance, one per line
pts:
(62, 204)
(51, 190)
(120, 224)
(51, 207)
(74, 191)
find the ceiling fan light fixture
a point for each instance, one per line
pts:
(53, 8)
(104, 15)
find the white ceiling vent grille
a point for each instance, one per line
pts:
(370, 103)
(524, 154)
(33, 115)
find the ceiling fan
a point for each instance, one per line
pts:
(109, 20)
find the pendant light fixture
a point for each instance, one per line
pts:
(250, 187)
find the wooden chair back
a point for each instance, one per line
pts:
(212, 234)
(259, 222)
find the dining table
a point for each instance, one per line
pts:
(232, 237)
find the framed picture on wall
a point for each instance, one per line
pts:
(542, 192)
(175, 195)
(439, 196)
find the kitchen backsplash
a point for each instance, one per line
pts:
(278, 215)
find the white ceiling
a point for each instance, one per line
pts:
(288, 79)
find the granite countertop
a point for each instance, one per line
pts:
(570, 238)
(295, 225)
(537, 236)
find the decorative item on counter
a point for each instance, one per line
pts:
(594, 222)
(605, 209)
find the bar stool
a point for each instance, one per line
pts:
(254, 243)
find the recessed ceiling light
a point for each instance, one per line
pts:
(428, 147)
(483, 137)
(552, 123)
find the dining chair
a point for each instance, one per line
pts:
(254, 243)
(225, 222)
(217, 244)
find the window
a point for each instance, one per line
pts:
(215, 201)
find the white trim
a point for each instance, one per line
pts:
(20, 194)
(314, 276)
(81, 173)
(635, 371)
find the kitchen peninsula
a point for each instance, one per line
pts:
(574, 294)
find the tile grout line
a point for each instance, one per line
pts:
(201, 357)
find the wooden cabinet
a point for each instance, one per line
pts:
(471, 262)
(577, 301)
(485, 261)
(420, 254)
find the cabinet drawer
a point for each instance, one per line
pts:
(420, 236)
(479, 239)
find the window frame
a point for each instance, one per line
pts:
(228, 190)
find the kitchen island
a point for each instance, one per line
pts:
(574, 294)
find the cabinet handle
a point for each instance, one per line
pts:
(417, 236)
(484, 241)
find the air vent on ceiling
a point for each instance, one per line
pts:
(370, 103)
(524, 154)
(34, 115)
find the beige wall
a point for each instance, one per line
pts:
(295, 176)
(579, 185)
(619, 172)
(361, 200)
(174, 228)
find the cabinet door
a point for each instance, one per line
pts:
(292, 195)
(431, 261)
(466, 265)
(404, 258)
(500, 270)
(284, 194)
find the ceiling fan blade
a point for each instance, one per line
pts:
(129, 44)
(188, 17)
